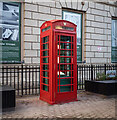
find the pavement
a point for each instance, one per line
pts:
(89, 105)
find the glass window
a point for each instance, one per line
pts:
(47, 28)
(45, 46)
(45, 60)
(65, 60)
(114, 41)
(45, 39)
(45, 80)
(45, 67)
(65, 38)
(64, 46)
(65, 28)
(76, 18)
(65, 53)
(65, 67)
(10, 32)
(45, 87)
(45, 74)
(64, 74)
(65, 88)
(45, 53)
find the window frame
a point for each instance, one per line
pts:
(112, 61)
(82, 31)
(20, 50)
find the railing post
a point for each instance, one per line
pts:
(2, 75)
(105, 69)
(91, 72)
(22, 79)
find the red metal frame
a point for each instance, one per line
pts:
(57, 90)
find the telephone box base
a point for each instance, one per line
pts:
(58, 102)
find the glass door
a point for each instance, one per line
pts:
(65, 66)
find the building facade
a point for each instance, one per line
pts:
(96, 29)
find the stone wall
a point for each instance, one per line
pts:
(96, 28)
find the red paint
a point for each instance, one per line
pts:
(58, 81)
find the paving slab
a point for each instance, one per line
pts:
(89, 105)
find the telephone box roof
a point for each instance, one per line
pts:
(53, 21)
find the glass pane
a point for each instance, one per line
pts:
(10, 38)
(64, 81)
(45, 74)
(114, 54)
(65, 74)
(76, 18)
(45, 80)
(65, 38)
(114, 33)
(47, 28)
(45, 60)
(114, 41)
(65, 67)
(65, 53)
(45, 46)
(45, 39)
(64, 88)
(45, 53)
(45, 67)
(44, 87)
(65, 60)
(65, 46)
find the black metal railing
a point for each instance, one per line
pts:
(25, 78)
(89, 72)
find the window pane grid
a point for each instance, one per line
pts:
(65, 65)
(45, 63)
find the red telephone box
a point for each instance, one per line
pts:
(58, 66)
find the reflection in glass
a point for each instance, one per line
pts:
(45, 74)
(45, 87)
(45, 39)
(64, 81)
(65, 60)
(45, 53)
(45, 46)
(45, 60)
(114, 41)
(65, 38)
(64, 74)
(65, 67)
(64, 88)
(76, 18)
(45, 80)
(45, 67)
(65, 45)
(65, 53)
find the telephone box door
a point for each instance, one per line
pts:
(66, 82)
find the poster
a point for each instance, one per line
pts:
(114, 41)
(76, 18)
(10, 32)
(111, 73)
